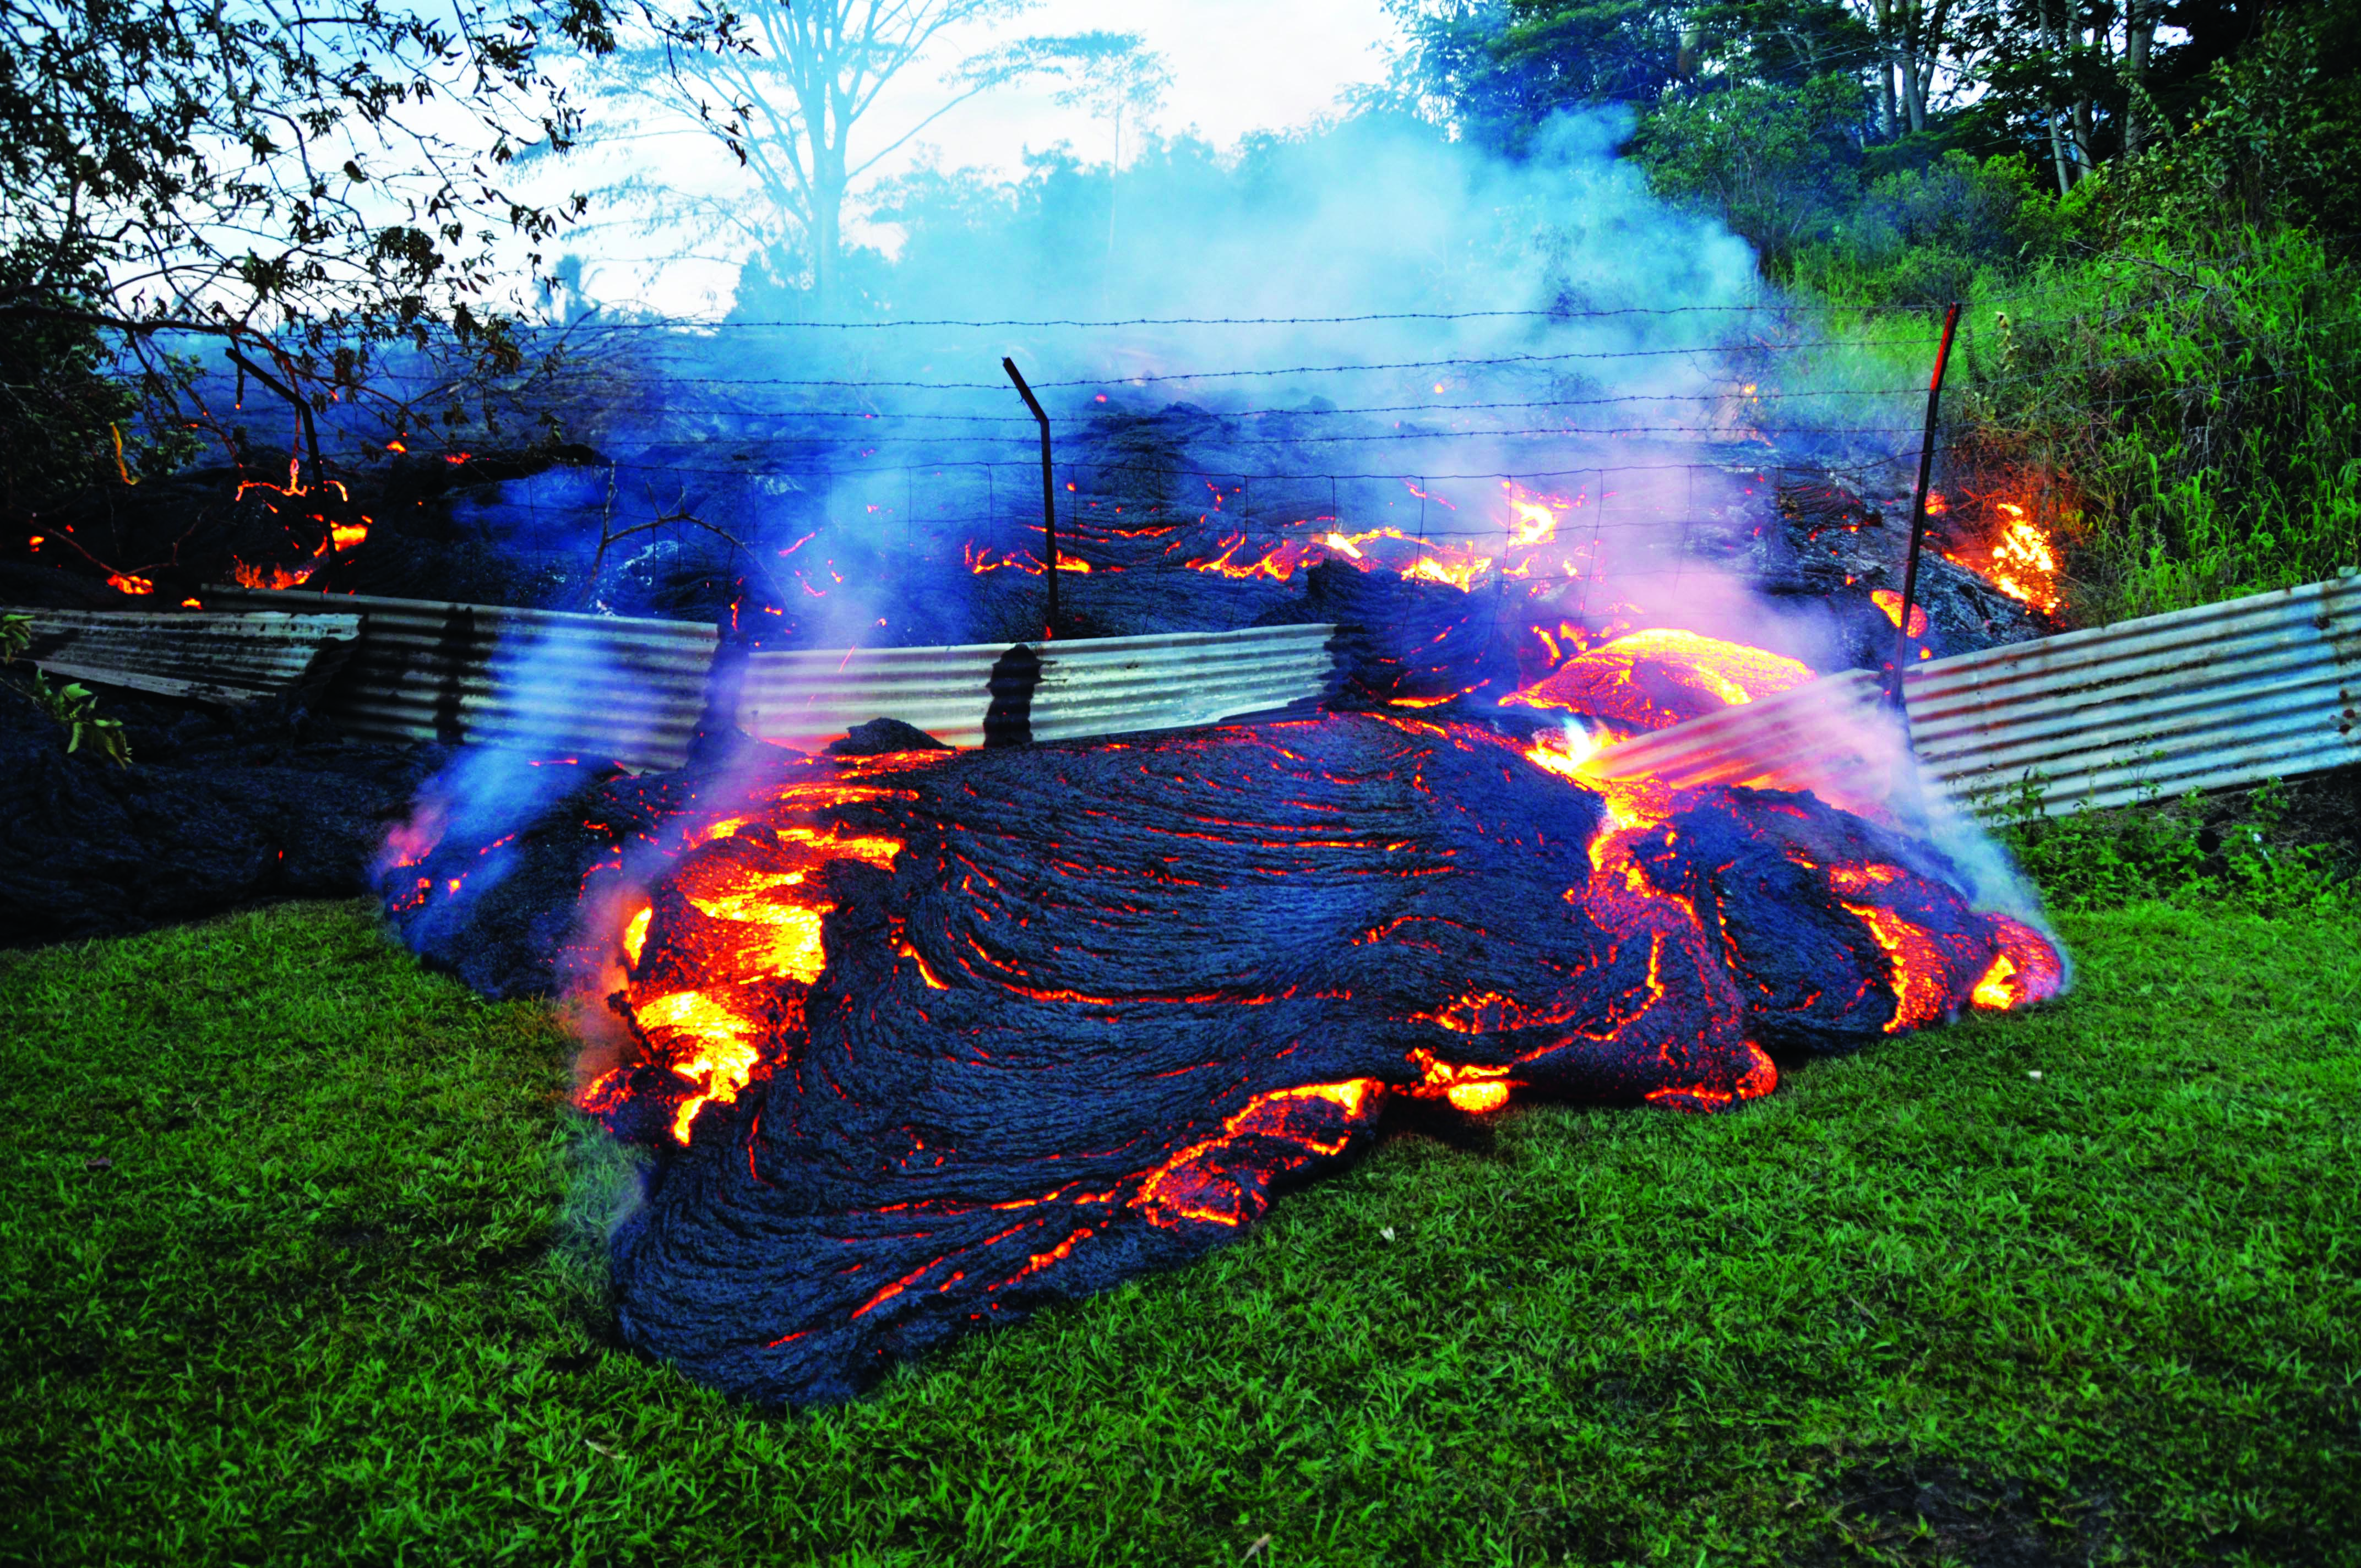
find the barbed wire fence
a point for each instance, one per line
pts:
(822, 474)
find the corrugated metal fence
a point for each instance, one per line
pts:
(2203, 698)
(532, 680)
(1041, 691)
(634, 690)
(2206, 698)
(214, 658)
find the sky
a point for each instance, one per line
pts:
(1238, 66)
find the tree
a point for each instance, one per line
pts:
(296, 185)
(1107, 75)
(785, 86)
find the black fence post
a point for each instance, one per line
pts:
(1917, 514)
(1049, 490)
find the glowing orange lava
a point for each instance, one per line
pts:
(1317, 1120)
(1654, 678)
(2027, 970)
(752, 909)
(983, 561)
(1682, 954)
(123, 582)
(1890, 602)
(1278, 563)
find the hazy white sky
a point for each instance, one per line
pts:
(1238, 66)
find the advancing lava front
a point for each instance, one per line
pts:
(930, 1039)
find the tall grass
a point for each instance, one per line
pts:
(2191, 426)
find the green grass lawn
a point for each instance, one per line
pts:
(291, 1276)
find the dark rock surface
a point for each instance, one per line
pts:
(218, 809)
(1107, 999)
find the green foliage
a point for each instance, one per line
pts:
(2199, 414)
(1772, 162)
(2277, 140)
(72, 705)
(74, 709)
(288, 1276)
(61, 408)
(1921, 236)
(2238, 851)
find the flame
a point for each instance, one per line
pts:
(1533, 517)
(1890, 602)
(124, 582)
(341, 536)
(2022, 562)
(2023, 565)
(248, 577)
(635, 934)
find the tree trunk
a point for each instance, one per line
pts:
(1883, 12)
(2085, 111)
(2139, 36)
(2054, 33)
(827, 233)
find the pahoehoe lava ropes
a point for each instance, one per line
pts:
(925, 1040)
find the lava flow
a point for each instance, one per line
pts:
(930, 1039)
(331, 538)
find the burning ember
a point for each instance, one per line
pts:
(2021, 560)
(935, 1039)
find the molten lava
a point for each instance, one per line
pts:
(1890, 602)
(1652, 679)
(320, 520)
(933, 1039)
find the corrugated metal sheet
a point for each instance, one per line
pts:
(1100, 686)
(214, 658)
(590, 686)
(2211, 698)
